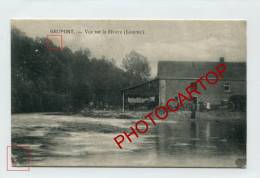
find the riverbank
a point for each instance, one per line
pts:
(214, 115)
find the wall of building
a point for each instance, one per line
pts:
(214, 93)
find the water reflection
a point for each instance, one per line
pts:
(200, 138)
(81, 141)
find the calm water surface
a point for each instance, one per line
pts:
(57, 140)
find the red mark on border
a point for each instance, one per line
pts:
(49, 40)
(10, 166)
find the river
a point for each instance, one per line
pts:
(62, 140)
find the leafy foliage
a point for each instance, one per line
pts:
(44, 80)
(137, 65)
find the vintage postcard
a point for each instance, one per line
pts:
(128, 93)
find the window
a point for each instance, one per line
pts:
(227, 87)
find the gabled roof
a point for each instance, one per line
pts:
(191, 70)
(139, 85)
(146, 89)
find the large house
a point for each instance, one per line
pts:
(174, 76)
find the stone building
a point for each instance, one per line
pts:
(175, 76)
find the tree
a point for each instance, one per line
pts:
(47, 81)
(137, 65)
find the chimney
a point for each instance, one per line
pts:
(221, 59)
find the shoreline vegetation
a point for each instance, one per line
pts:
(66, 80)
(117, 114)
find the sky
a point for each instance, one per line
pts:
(177, 40)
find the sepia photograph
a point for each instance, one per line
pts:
(129, 93)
